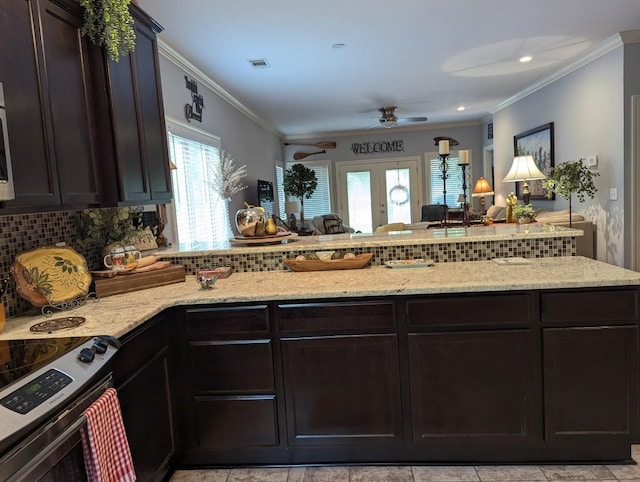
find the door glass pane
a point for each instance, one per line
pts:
(359, 201)
(398, 195)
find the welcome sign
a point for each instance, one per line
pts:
(376, 147)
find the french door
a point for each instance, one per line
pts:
(374, 193)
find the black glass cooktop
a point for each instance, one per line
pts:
(21, 357)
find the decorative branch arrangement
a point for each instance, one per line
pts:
(226, 180)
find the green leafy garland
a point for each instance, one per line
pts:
(110, 24)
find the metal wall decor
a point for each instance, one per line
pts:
(376, 147)
(193, 110)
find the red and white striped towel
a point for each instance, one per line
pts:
(107, 457)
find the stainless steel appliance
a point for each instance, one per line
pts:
(6, 177)
(45, 386)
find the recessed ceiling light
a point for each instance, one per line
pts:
(338, 46)
(526, 58)
(461, 108)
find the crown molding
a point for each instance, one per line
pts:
(369, 132)
(607, 46)
(175, 57)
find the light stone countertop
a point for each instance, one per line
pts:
(117, 315)
(496, 232)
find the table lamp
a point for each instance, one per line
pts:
(524, 169)
(292, 207)
(482, 189)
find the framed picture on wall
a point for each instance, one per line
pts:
(538, 143)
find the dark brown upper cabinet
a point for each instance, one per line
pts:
(142, 172)
(48, 79)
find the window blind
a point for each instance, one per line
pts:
(320, 201)
(202, 218)
(280, 191)
(454, 182)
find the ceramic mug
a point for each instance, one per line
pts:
(131, 254)
(116, 259)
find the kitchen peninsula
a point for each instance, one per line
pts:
(460, 362)
(453, 244)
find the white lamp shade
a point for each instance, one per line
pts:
(292, 207)
(482, 188)
(524, 169)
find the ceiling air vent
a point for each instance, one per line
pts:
(259, 63)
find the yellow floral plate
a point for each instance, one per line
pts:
(51, 275)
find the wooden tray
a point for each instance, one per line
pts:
(275, 239)
(116, 285)
(360, 261)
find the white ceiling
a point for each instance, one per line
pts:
(425, 56)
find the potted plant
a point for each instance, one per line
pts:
(301, 182)
(524, 212)
(109, 23)
(107, 226)
(570, 177)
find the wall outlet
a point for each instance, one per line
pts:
(613, 194)
(592, 161)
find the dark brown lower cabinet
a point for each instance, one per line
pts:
(342, 390)
(473, 385)
(413, 379)
(591, 383)
(143, 380)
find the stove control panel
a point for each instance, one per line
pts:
(37, 391)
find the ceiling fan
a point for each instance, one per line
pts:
(388, 117)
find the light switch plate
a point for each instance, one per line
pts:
(592, 161)
(613, 194)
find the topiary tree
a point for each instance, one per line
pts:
(301, 182)
(570, 177)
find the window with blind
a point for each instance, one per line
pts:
(320, 201)
(201, 216)
(280, 191)
(453, 184)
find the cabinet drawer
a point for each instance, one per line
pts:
(336, 317)
(228, 322)
(239, 367)
(466, 311)
(235, 422)
(584, 307)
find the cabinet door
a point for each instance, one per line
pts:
(141, 376)
(146, 413)
(68, 80)
(473, 386)
(138, 121)
(35, 178)
(48, 91)
(342, 390)
(590, 382)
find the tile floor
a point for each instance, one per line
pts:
(583, 473)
